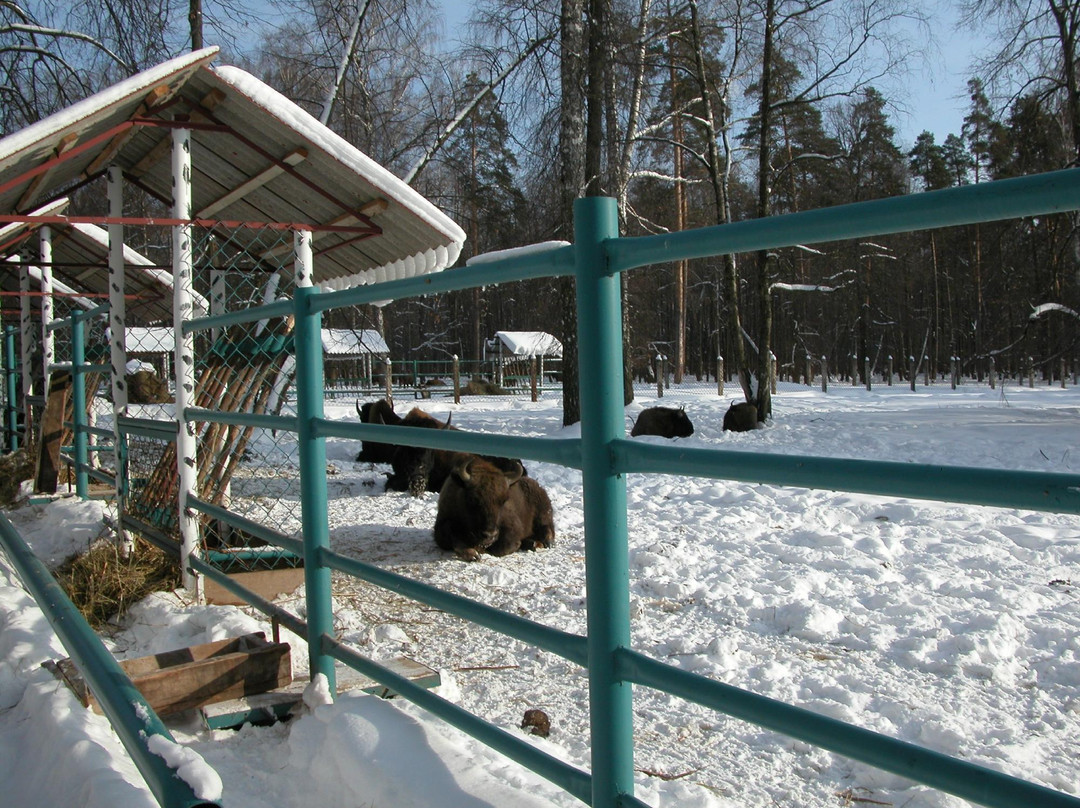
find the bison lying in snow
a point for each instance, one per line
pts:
(741, 417)
(485, 509)
(377, 412)
(667, 422)
(416, 469)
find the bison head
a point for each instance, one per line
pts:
(470, 505)
(413, 465)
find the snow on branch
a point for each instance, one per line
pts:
(1046, 308)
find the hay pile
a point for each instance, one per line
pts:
(103, 584)
(14, 469)
(482, 387)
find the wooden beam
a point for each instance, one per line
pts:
(153, 98)
(295, 157)
(65, 144)
(199, 114)
(365, 211)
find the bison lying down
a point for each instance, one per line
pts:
(667, 422)
(741, 417)
(485, 509)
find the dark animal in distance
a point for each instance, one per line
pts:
(380, 411)
(485, 509)
(741, 417)
(667, 422)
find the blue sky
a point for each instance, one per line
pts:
(937, 92)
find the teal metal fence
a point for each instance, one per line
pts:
(605, 457)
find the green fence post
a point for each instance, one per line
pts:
(11, 415)
(78, 405)
(606, 555)
(313, 499)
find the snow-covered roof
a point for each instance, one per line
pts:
(256, 157)
(80, 258)
(352, 342)
(529, 343)
(150, 340)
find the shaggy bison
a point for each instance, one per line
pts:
(485, 509)
(416, 469)
(377, 412)
(741, 417)
(667, 422)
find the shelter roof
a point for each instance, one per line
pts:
(353, 342)
(529, 343)
(256, 157)
(80, 254)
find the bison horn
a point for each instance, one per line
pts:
(462, 468)
(448, 417)
(514, 474)
(358, 410)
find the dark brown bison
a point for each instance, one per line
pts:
(377, 412)
(667, 422)
(485, 509)
(741, 417)
(416, 469)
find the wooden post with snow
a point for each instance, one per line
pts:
(532, 378)
(809, 372)
(720, 376)
(824, 374)
(1031, 371)
(866, 372)
(889, 382)
(912, 372)
(457, 380)
(926, 371)
(389, 380)
(993, 374)
(659, 376)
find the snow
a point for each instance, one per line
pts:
(516, 252)
(529, 343)
(1045, 308)
(353, 342)
(950, 626)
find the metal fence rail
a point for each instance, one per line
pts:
(605, 456)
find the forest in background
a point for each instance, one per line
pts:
(689, 113)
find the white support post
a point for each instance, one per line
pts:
(48, 339)
(27, 341)
(118, 344)
(183, 308)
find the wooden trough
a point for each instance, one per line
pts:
(174, 681)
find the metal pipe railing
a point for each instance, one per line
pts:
(131, 717)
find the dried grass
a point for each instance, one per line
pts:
(103, 584)
(14, 469)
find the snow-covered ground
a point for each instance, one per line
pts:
(950, 626)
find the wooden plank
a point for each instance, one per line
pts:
(278, 704)
(187, 678)
(30, 194)
(295, 157)
(163, 148)
(47, 473)
(156, 96)
(268, 584)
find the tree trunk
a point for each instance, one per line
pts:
(764, 393)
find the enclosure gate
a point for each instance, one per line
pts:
(605, 456)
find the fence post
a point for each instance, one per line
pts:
(866, 372)
(532, 377)
(854, 370)
(606, 553)
(926, 371)
(912, 372)
(457, 380)
(659, 376)
(184, 365)
(11, 415)
(993, 374)
(312, 454)
(890, 370)
(1063, 369)
(389, 379)
(78, 405)
(772, 372)
(809, 372)
(720, 376)
(1031, 371)
(824, 374)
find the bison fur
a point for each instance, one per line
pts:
(485, 509)
(741, 417)
(667, 422)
